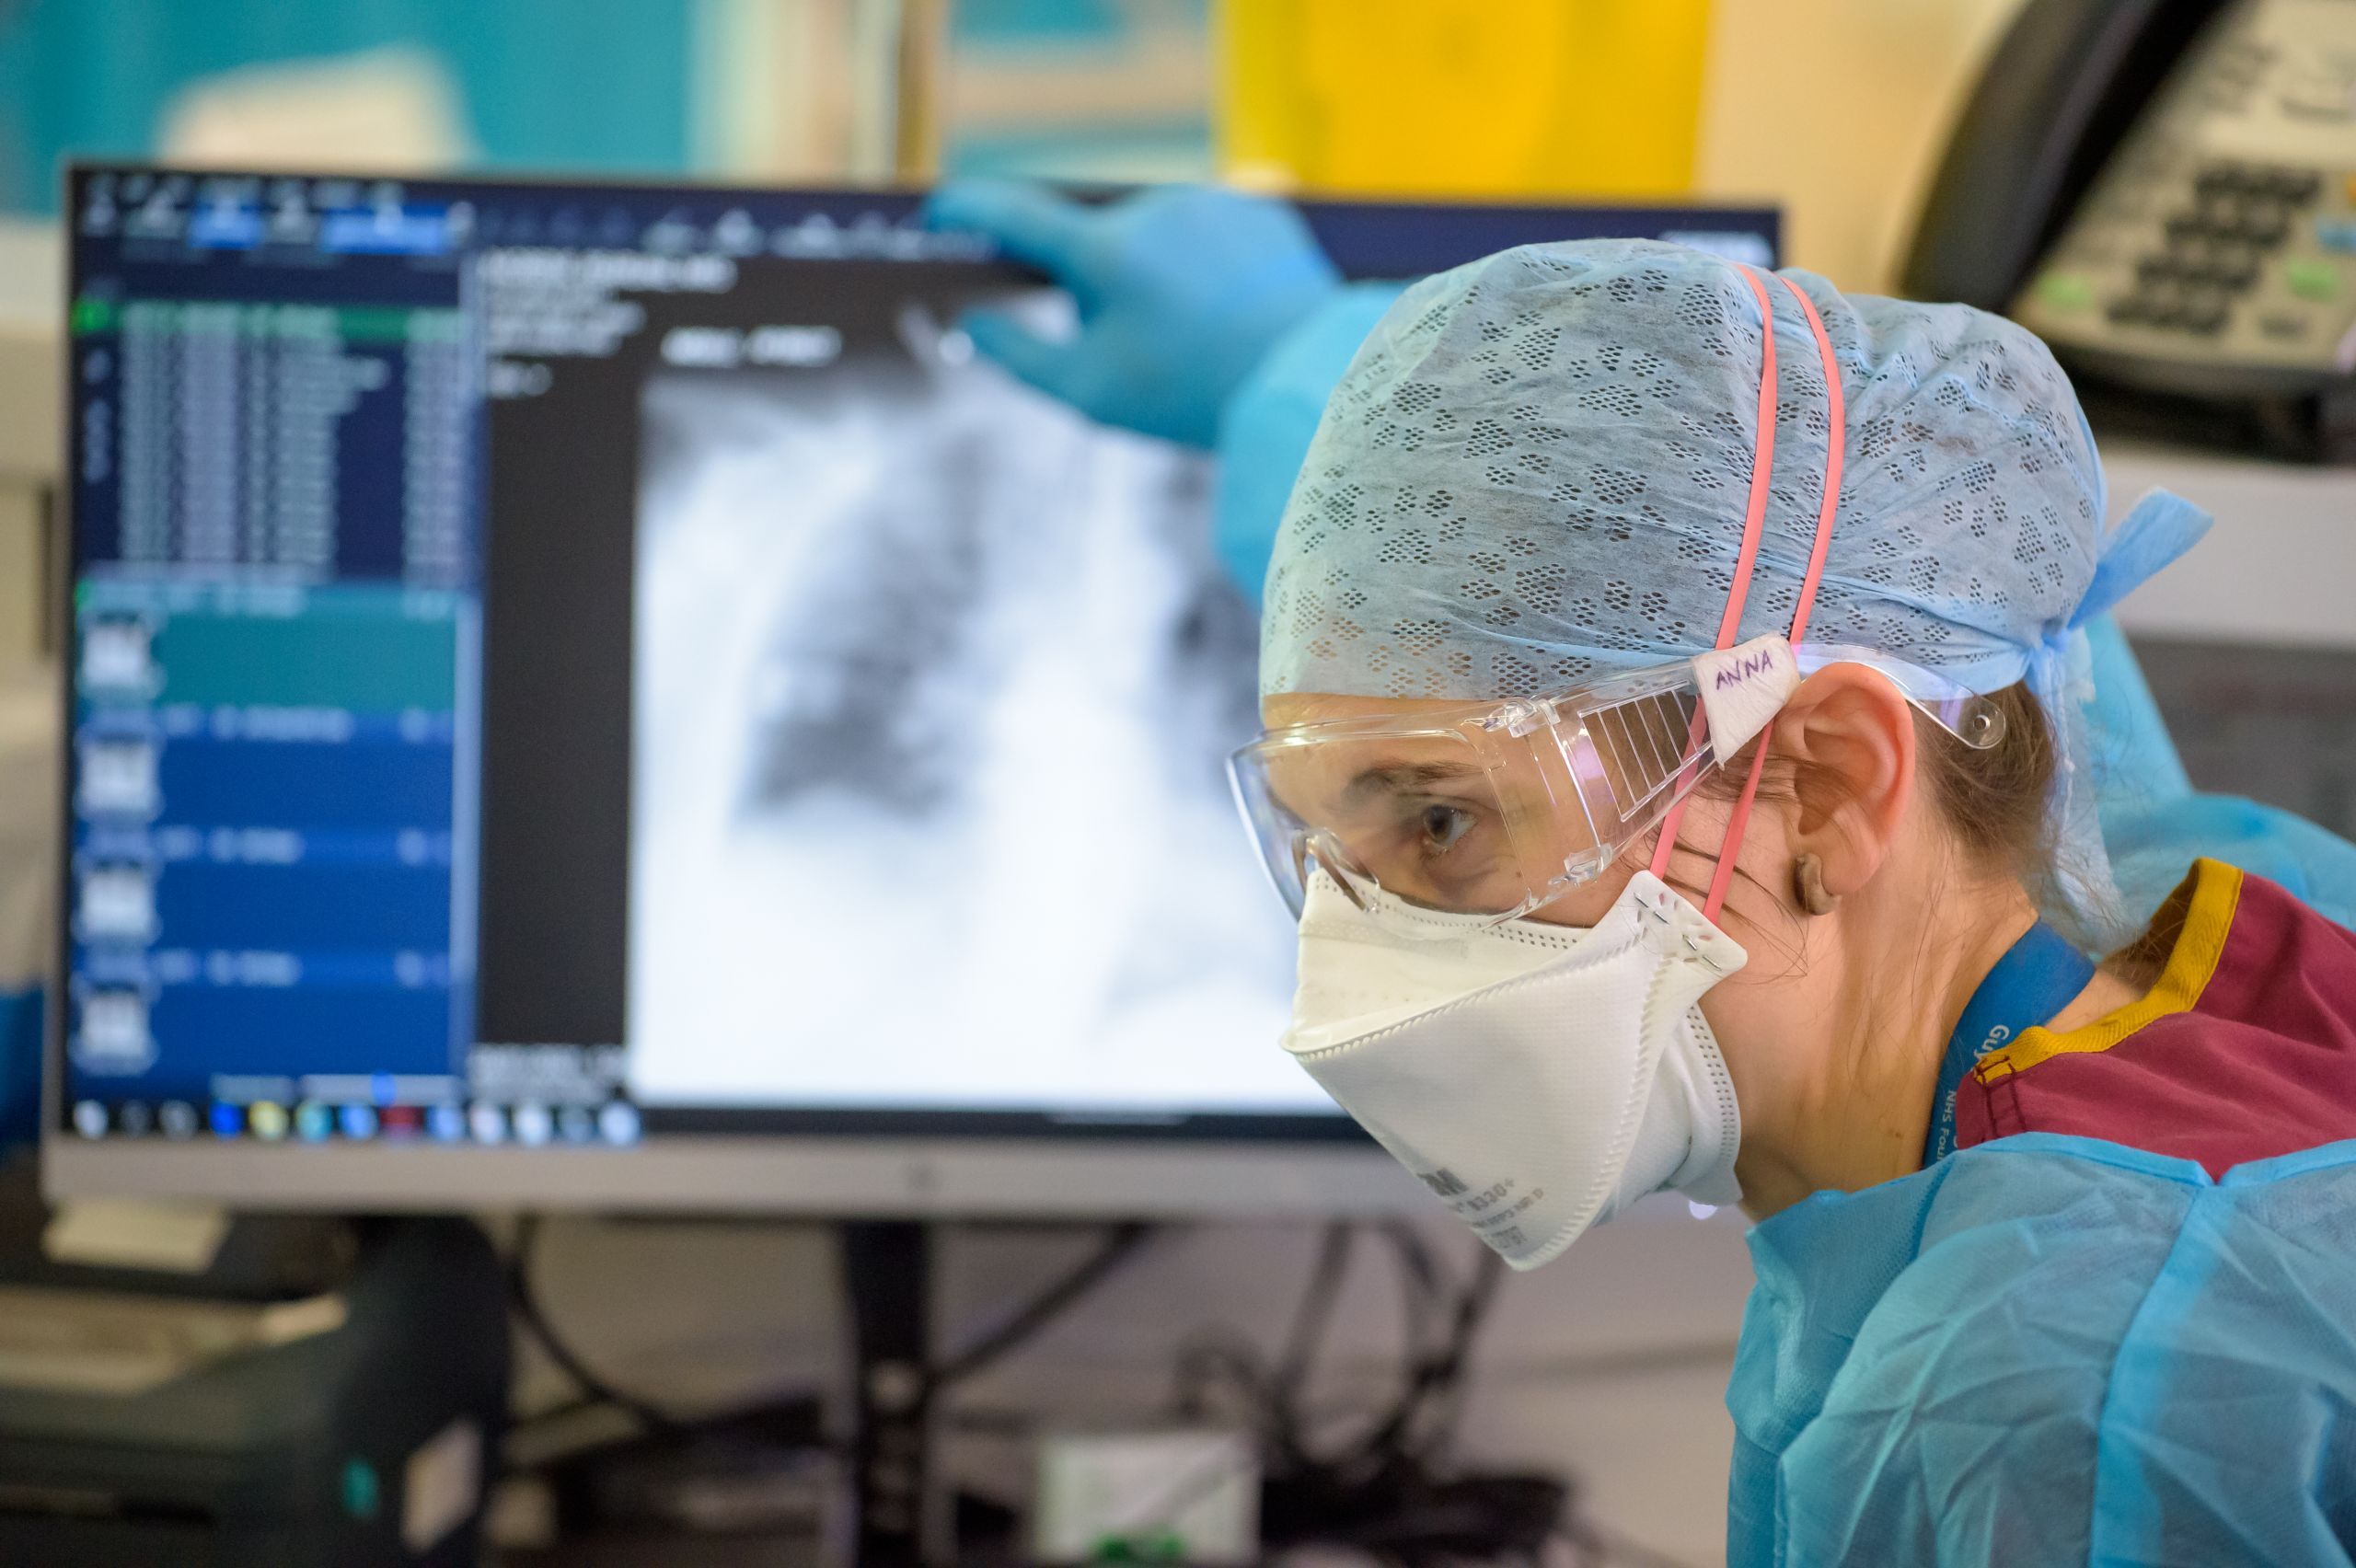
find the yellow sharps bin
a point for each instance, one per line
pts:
(1497, 99)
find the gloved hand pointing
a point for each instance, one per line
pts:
(1181, 290)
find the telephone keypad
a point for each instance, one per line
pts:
(2218, 249)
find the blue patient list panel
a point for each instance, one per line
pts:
(268, 891)
(276, 644)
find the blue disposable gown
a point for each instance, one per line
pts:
(2053, 1350)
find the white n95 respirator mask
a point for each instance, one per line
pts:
(1536, 1078)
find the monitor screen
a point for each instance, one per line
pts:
(597, 671)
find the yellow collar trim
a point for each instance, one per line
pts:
(2208, 920)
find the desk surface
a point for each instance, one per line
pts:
(2279, 567)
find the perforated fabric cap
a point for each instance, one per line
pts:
(1535, 470)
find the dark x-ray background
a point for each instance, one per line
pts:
(933, 683)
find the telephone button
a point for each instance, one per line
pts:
(2336, 234)
(2287, 325)
(2236, 268)
(2226, 182)
(2312, 280)
(2297, 186)
(2185, 227)
(2218, 180)
(2205, 319)
(2066, 291)
(2256, 221)
(2232, 277)
(2318, 95)
(2262, 223)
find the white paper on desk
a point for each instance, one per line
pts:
(441, 1484)
(114, 1233)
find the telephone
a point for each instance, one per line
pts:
(2166, 192)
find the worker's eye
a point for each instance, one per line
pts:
(1443, 827)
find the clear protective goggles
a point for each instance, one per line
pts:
(1496, 809)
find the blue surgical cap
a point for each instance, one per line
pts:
(1535, 470)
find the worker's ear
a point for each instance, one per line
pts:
(1848, 736)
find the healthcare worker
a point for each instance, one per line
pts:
(1211, 317)
(1679, 763)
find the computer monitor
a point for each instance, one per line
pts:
(594, 694)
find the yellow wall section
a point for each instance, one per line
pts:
(1497, 98)
(1837, 110)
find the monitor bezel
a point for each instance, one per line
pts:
(814, 1176)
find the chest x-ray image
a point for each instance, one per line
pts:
(932, 684)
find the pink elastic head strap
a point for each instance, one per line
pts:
(1763, 460)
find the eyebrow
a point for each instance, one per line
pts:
(1391, 776)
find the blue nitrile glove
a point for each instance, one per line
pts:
(1265, 433)
(1181, 290)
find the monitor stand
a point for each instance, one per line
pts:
(887, 1275)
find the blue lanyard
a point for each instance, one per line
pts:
(2037, 977)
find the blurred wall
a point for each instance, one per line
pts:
(1839, 110)
(1078, 89)
(544, 84)
(1834, 107)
